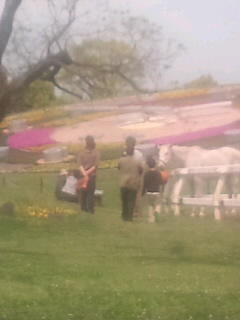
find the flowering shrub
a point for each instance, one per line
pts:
(71, 120)
(109, 164)
(53, 117)
(108, 151)
(36, 116)
(40, 148)
(51, 168)
(54, 168)
(184, 93)
(35, 211)
(57, 167)
(37, 96)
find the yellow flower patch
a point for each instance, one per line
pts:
(44, 213)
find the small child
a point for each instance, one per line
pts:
(66, 188)
(151, 187)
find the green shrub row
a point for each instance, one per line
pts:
(56, 167)
(108, 151)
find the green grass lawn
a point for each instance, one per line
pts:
(97, 267)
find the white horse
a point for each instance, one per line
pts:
(176, 156)
(179, 156)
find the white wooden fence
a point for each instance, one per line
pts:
(217, 200)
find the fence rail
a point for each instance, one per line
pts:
(216, 200)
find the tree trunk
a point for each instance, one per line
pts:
(5, 101)
(6, 24)
(10, 93)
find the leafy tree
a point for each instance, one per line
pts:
(39, 94)
(131, 56)
(95, 82)
(37, 48)
(26, 64)
(205, 81)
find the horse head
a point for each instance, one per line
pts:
(164, 154)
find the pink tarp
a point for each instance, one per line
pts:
(196, 135)
(31, 138)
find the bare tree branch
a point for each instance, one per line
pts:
(88, 85)
(41, 68)
(132, 83)
(56, 84)
(47, 68)
(52, 73)
(110, 69)
(64, 28)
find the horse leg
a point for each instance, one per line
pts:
(202, 212)
(216, 197)
(191, 186)
(192, 192)
(235, 188)
(151, 214)
(177, 189)
(229, 186)
(199, 188)
(231, 182)
(193, 212)
(166, 194)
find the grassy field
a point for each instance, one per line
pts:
(96, 267)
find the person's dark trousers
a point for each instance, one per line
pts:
(128, 197)
(87, 199)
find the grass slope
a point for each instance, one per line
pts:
(96, 267)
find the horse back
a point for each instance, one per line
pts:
(220, 156)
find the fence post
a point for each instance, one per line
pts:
(4, 182)
(216, 196)
(41, 184)
(175, 198)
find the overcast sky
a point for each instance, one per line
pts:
(209, 29)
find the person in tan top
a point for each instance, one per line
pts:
(130, 170)
(88, 161)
